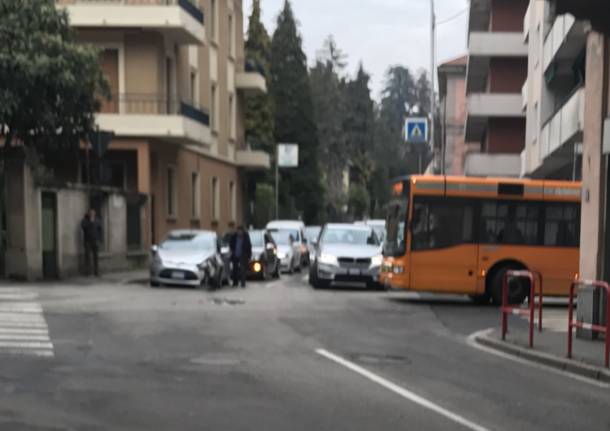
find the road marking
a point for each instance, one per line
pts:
(471, 341)
(399, 390)
(23, 328)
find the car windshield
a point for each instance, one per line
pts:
(256, 238)
(188, 242)
(349, 236)
(312, 233)
(282, 236)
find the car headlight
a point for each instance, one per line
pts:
(328, 259)
(376, 261)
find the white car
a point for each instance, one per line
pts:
(290, 238)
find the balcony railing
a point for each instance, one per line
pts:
(189, 6)
(565, 125)
(153, 104)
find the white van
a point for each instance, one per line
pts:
(294, 229)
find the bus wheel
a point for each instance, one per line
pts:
(518, 288)
(480, 299)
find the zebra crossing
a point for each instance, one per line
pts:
(23, 328)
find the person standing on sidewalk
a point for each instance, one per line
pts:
(241, 251)
(92, 235)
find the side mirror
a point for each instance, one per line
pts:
(154, 249)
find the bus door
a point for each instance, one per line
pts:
(444, 255)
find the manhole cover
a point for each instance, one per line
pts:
(215, 361)
(371, 358)
(227, 301)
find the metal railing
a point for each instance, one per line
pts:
(535, 280)
(153, 104)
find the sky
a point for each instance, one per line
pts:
(380, 33)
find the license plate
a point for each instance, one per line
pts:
(354, 272)
(178, 275)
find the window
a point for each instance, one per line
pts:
(171, 191)
(232, 201)
(232, 116)
(214, 107)
(562, 225)
(195, 195)
(231, 37)
(510, 223)
(194, 89)
(213, 27)
(215, 204)
(396, 218)
(441, 224)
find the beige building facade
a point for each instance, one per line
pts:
(554, 93)
(178, 79)
(178, 157)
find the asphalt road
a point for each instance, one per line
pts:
(275, 356)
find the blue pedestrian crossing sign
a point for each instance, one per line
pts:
(416, 130)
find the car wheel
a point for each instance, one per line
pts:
(480, 299)
(518, 288)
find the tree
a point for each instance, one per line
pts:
(294, 119)
(50, 83)
(358, 201)
(259, 110)
(359, 127)
(330, 109)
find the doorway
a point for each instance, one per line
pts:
(49, 236)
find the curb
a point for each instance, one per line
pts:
(563, 364)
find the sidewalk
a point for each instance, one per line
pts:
(550, 345)
(125, 277)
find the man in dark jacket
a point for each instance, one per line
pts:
(241, 252)
(92, 235)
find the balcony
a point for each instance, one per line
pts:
(179, 20)
(252, 160)
(157, 117)
(483, 106)
(252, 80)
(492, 165)
(564, 42)
(562, 132)
(484, 45)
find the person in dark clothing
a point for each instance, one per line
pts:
(241, 252)
(92, 235)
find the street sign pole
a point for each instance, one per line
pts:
(277, 182)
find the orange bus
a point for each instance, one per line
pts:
(461, 234)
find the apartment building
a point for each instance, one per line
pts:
(497, 69)
(553, 95)
(178, 83)
(452, 95)
(178, 155)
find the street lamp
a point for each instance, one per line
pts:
(432, 73)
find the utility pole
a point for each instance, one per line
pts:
(432, 73)
(277, 182)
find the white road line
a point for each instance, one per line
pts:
(30, 352)
(26, 344)
(471, 340)
(405, 393)
(31, 331)
(24, 337)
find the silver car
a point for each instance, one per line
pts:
(188, 258)
(346, 254)
(289, 261)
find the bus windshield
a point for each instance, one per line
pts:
(394, 244)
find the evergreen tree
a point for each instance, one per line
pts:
(328, 94)
(294, 119)
(359, 128)
(259, 111)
